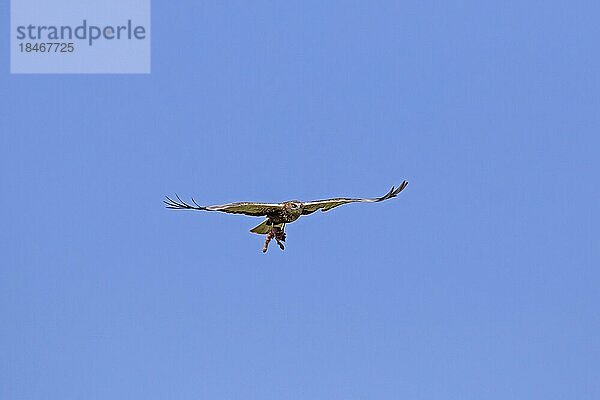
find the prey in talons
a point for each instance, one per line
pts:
(276, 233)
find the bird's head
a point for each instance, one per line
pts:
(294, 206)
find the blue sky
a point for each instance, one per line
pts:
(480, 281)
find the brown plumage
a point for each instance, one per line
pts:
(279, 214)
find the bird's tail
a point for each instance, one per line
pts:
(263, 228)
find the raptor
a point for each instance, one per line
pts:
(278, 214)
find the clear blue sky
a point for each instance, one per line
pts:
(480, 281)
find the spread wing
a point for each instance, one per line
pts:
(326, 205)
(246, 208)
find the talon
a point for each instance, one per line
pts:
(275, 233)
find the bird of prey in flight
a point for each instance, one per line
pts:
(278, 214)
